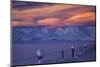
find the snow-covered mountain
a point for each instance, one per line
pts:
(50, 33)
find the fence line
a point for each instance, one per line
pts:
(60, 52)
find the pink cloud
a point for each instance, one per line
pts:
(50, 21)
(81, 18)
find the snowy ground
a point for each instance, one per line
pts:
(25, 53)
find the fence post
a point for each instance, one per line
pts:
(85, 47)
(73, 51)
(40, 55)
(62, 54)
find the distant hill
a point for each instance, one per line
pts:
(49, 33)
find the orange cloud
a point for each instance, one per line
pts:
(78, 10)
(49, 21)
(81, 18)
(33, 12)
(77, 14)
(18, 23)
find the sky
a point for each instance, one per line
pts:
(51, 14)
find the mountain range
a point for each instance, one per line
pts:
(54, 33)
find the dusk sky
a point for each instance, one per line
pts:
(51, 14)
